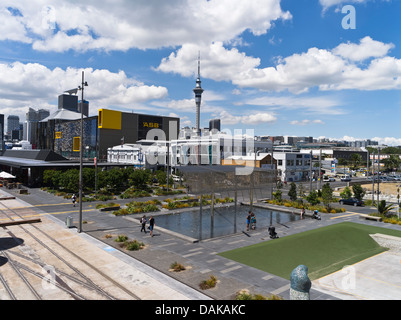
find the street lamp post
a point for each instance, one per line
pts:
(81, 88)
(378, 178)
(74, 91)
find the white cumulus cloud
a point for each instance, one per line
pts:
(32, 84)
(367, 48)
(306, 122)
(124, 24)
(336, 69)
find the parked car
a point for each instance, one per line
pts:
(176, 178)
(352, 201)
(345, 178)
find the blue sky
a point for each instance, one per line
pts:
(279, 67)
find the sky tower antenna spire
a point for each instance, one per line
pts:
(198, 98)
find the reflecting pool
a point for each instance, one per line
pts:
(188, 222)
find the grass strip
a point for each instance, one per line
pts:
(323, 251)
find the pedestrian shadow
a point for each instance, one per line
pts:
(155, 234)
(9, 243)
(3, 261)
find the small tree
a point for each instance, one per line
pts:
(358, 191)
(292, 193)
(301, 190)
(346, 193)
(313, 198)
(327, 195)
(140, 178)
(356, 159)
(277, 195)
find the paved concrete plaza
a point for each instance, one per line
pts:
(376, 278)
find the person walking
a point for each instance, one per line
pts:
(74, 199)
(143, 222)
(248, 220)
(253, 221)
(151, 225)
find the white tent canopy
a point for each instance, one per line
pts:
(6, 175)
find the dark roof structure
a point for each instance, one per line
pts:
(43, 155)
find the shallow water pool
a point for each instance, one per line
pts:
(188, 223)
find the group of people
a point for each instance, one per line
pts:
(143, 219)
(315, 214)
(151, 224)
(250, 221)
(251, 224)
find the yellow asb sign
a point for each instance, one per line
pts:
(150, 125)
(57, 135)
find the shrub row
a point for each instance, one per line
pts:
(306, 206)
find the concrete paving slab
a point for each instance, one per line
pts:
(376, 278)
(166, 247)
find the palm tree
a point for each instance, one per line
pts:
(383, 208)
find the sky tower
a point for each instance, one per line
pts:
(198, 98)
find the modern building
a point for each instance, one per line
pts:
(2, 146)
(30, 126)
(215, 125)
(12, 124)
(294, 140)
(106, 130)
(338, 152)
(212, 149)
(293, 166)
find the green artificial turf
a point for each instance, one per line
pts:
(323, 251)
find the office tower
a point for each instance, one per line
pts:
(214, 125)
(31, 124)
(2, 131)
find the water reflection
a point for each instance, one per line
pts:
(188, 223)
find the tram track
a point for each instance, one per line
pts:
(7, 287)
(60, 277)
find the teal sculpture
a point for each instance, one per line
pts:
(300, 284)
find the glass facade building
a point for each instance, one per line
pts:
(109, 129)
(66, 132)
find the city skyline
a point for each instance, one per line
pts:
(294, 68)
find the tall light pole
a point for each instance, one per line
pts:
(81, 88)
(378, 178)
(373, 179)
(310, 172)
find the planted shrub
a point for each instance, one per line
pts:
(121, 238)
(121, 212)
(177, 267)
(106, 205)
(246, 295)
(209, 283)
(134, 245)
